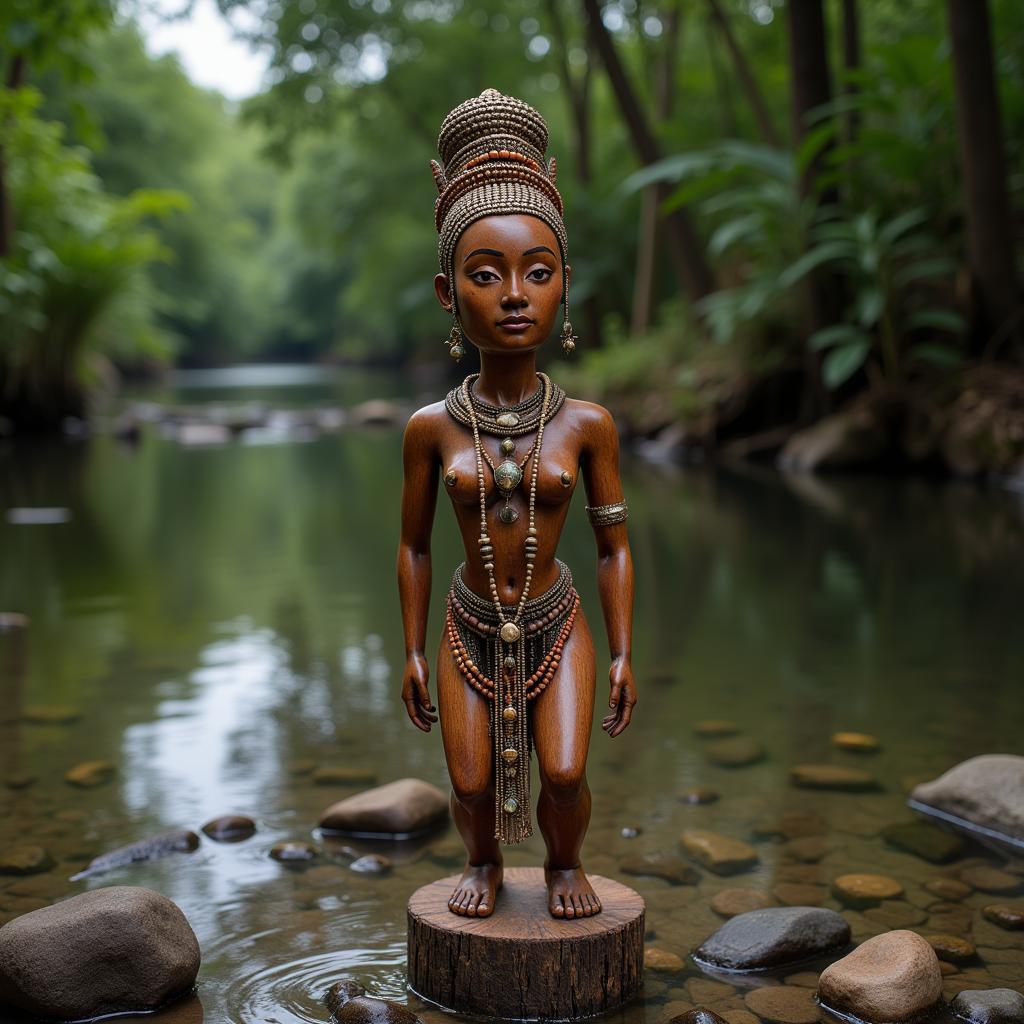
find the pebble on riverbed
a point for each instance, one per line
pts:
(720, 854)
(230, 828)
(924, 840)
(989, 1006)
(734, 752)
(860, 890)
(89, 774)
(775, 937)
(50, 715)
(833, 777)
(1010, 918)
(27, 859)
(732, 902)
(711, 727)
(294, 853)
(784, 1004)
(856, 742)
(115, 950)
(371, 864)
(891, 977)
(668, 866)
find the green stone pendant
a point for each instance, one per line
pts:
(511, 805)
(507, 477)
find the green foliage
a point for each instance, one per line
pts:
(78, 253)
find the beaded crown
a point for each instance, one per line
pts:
(493, 161)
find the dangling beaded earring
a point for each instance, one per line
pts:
(454, 341)
(569, 338)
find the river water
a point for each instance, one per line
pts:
(225, 616)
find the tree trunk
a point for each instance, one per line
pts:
(15, 79)
(649, 237)
(990, 244)
(694, 273)
(810, 87)
(851, 62)
(748, 83)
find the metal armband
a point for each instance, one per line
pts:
(607, 515)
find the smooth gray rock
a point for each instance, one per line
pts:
(115, 950)
(985, 793)
(773, 937)
(989, 1006)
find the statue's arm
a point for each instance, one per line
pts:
(420, 461)
(600, 464)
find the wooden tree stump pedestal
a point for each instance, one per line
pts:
(521, 963)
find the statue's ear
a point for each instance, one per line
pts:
(553, 170)
(439, 178)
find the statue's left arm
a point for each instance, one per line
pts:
(606, 509)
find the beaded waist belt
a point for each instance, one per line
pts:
(509, 676)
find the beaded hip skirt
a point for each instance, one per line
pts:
(510, 675)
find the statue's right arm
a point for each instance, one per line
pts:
(421, 462)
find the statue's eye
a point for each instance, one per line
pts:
(484, 276)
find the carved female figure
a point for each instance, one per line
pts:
(516, 668)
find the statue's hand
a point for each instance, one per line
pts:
(415, 694)
(622, 698)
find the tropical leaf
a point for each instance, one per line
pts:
(836, 334)
(843, 362)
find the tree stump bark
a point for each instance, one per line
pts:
(522, 963)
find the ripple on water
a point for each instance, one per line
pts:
(293, 991)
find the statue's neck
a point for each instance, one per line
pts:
(506, 379)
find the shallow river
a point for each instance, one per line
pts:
(225, 617)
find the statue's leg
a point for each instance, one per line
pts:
(562, 718)
(464, 716)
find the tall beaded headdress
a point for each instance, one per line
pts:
(493, 161)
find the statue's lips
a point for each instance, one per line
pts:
(515, 323)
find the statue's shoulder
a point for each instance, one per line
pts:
(594, 420)
(425, 424)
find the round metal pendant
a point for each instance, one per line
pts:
(507, 477)
(510, 632)
(508, 514)
(509, 714)
(508, 419)
(510, 754)
(508, 446)
(511, 805)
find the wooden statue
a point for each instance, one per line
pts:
(516, 668)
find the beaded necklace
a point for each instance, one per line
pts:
(509, 722)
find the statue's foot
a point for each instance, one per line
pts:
(477, 889)
(570, 895)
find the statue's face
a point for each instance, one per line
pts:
(508, 282)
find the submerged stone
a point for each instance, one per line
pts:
(399, 810)
(698, 795)
(924, 840)
(371, 864)
(668, 866)
(860, 890)
(832, 776)
(89, 774)
(731, 902)
(294, 853)
(698, 1015)
(952, 948)
(991, 880)
(721, 854)
(892, 977)
(785, 1004)
(662, 960)
(115, 950)
(716, 727)
(989, 1006)
(774, 937)
(856, 742)
(51, 715)
(1010, 918)
(734, 752)
(153, 848)
(340, 775)
(26, 859)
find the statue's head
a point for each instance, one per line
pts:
(502, 243)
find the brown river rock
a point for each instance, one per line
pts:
(721, 854)
(105, 951)
(399, 809)
(892, 977)
(230, 828)
(734, 752)
(952, 948)
(659, 864)
(949, 889)
(858, 890)
(832, 776)
(991, 880)
(1006, 916)
(856, 742)
(89, 774)
(26, 859)
(716, 727)
(786, 1004)
(730, 902)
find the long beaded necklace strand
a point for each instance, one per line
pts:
(509, 718)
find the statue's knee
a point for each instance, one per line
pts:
(563, 787)
(472, 792)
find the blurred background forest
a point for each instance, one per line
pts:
(794, 224)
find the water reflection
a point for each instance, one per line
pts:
(221, 616)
